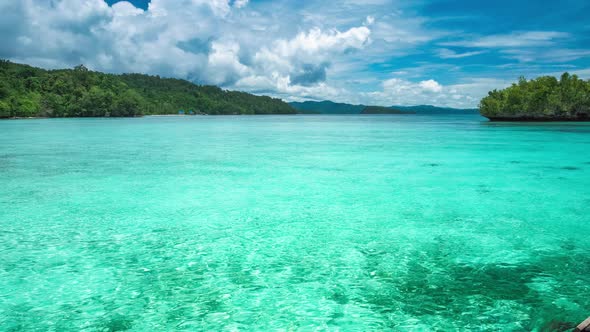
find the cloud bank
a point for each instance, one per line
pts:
(206, 41)
(376, 52)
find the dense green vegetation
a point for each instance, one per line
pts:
(544, 98)
(382, 110)
(27, 91)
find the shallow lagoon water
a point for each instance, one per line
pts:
(293, 223)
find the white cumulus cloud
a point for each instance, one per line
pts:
(396, 91)
(206, 41)
(306, 50)
(430, 86)
(240, 3)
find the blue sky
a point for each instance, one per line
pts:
(384, 52)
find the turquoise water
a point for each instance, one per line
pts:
(350, 223)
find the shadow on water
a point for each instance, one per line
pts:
(427, 283)
(571, 168)
(434, 284)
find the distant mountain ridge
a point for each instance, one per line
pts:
(429, 109)
(384, 110)
(326, 107)
(329, 107)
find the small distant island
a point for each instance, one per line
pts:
(26, 91)
(383, 110)
(543, 99)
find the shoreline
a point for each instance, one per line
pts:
(130, 117)
(535, 119)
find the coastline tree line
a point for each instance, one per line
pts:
(27, 91)
(544, 98)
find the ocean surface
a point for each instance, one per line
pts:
(303, 223)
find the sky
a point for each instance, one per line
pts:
(378, 52)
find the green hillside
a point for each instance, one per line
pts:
(27, 91)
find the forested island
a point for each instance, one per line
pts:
(383, 110)
(26, 91)
(543, 99)
(326, 107)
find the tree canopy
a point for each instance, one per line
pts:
(27, 91)
(544, 98)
